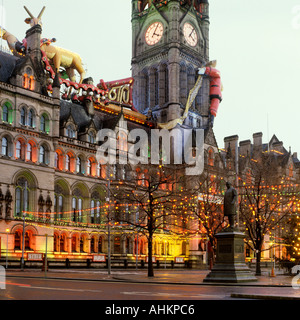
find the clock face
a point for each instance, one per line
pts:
(154, 33)
(190, 34)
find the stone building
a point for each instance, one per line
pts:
(264, 171)
(51, 179)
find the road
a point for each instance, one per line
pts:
(62, 289)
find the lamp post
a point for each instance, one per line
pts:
(165, 254)
(108, 225)
(46, 249)
(23, 243)
(137, 250)
(7, 231)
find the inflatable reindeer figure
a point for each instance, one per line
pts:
(17, 47)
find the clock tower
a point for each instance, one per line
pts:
(170, 41)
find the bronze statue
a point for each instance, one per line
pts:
(230, 199)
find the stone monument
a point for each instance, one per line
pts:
(230, 266)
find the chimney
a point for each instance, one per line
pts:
(33, 37)
(295, 155)
(233, 141)
(245, 148)
(257, 139)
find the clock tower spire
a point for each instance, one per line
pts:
(170, 42)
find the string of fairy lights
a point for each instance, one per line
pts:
(182, 211)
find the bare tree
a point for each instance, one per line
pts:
(264, 202)
(153, 193)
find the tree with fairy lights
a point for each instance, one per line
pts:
(205, 206)
(154, 197)
(265, 200)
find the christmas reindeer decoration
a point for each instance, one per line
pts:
(17, 47)
(58, 57)
(63, 58)
(32, 20)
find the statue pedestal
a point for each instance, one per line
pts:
(230, 263)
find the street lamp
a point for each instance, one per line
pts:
(23, 243)
(7, 232)
(165, 254)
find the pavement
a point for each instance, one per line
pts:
(163, 276)
(282, 283)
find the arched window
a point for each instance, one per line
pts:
(22, 195)
(42, 155)
(44, 123)
(25, 81)
(4, 147)
(18, 238)
(19, 150)
(23, 116)
(79, 165)
(58, 207)
(56, 161)
(92, 211)
(68, 162)
(31, 83)
(29, 152)
(70, 132)
(117, 245)
(31, 118)
(99, 170)
(89, 167)
(77, 207)
(100, 245)
(63, 242)
(91, 137)
(96, 208)
(7, 113)
(210, 157)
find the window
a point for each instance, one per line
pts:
(4, 150)
(77, 206)
(23, 116)
(29, 152)
(18, 150)
(79, 165)
(28, 80)
(22, 194)
(31, 119)
(92, 211)
(79, 210)
(89, 167)
(99, 170)
(56, 161)
(58, 207)
(42, 155)
(70, 132)
(68, 168)
(45, 124)
(74, 208)
(25, 81)
(210, 157)
(7, 113)
(91, 137)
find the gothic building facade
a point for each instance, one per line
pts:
(53, 188)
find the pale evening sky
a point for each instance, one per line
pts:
(256, 43)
